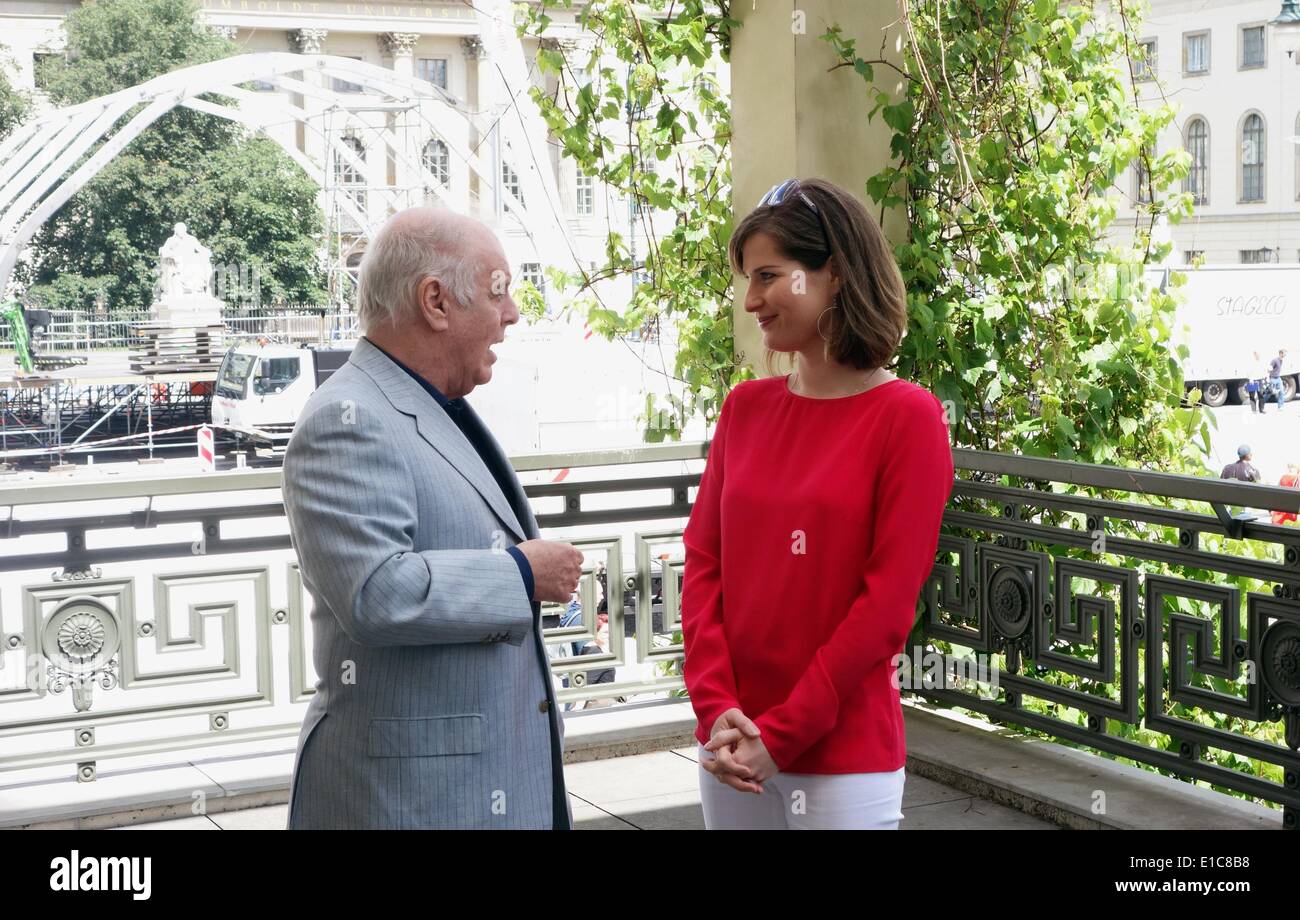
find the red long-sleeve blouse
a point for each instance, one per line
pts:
(814, 528)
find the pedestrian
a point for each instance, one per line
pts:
(1252, 394)
(1278, 390)
(1243, 469)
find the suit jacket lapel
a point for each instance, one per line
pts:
(517, 499)
(439, 431)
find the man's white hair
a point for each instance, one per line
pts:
(411, 246)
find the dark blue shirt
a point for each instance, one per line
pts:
(478, 438)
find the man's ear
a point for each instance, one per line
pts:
(432, 297)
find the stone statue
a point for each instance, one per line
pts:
(184, 265)
(182, 294)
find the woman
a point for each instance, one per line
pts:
(814, 528)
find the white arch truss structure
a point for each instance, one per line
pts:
(45, 161)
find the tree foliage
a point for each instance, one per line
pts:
(240, 195)
(1017, 119)
(655, 129)
(14, 103)
(1044, 338)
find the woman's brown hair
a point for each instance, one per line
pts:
(866, 330)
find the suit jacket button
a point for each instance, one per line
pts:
(544, 706)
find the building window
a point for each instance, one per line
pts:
(1144, 65)
(1142, 176)
(1198, 146)
(1258, 256)
(1252, 158)
(434, 70)
(585, 194)
(345, 86)
(1196, 53)
(347, 176)
(532, 273)
(510, 180)
(1252, 47)
(1192, 255)
(437, 160)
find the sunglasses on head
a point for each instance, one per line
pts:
(782, 191)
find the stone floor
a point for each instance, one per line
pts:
(660, 791)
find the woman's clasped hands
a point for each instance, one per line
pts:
(740, 759)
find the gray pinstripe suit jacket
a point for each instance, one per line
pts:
(434, 706)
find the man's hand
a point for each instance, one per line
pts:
(731, 729)
(556, 569)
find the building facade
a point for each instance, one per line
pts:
(439, 42)
(1236, 89)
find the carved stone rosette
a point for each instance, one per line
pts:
(80, 640)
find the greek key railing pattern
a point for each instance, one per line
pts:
(1176, 612)
(149, 616)
(1139, 614)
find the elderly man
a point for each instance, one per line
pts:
(434, 706)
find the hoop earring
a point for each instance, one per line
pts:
(826, 338)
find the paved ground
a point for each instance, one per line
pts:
(660, 791)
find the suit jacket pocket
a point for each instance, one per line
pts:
(427, 737)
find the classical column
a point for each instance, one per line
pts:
(400, 46)
(792, 115)
(308, 41)
(478, 97)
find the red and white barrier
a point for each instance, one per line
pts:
(207, 452)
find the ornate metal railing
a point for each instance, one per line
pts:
(1108, 604)
(155, 615)
(1103, 605)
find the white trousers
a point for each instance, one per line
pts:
(804, 801)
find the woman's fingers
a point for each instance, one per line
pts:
(728, 762)
(745, 724)
(725, 738)
(718, 771)
(735, 782)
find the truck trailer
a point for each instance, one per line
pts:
(1233, 321)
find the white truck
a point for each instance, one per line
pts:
(261, 388)
(555, 387)
(1233, 320)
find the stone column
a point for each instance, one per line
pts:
(309, 42)
(399, 47)
(794, 116)
(479, 81)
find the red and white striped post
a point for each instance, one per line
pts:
(207, 453)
